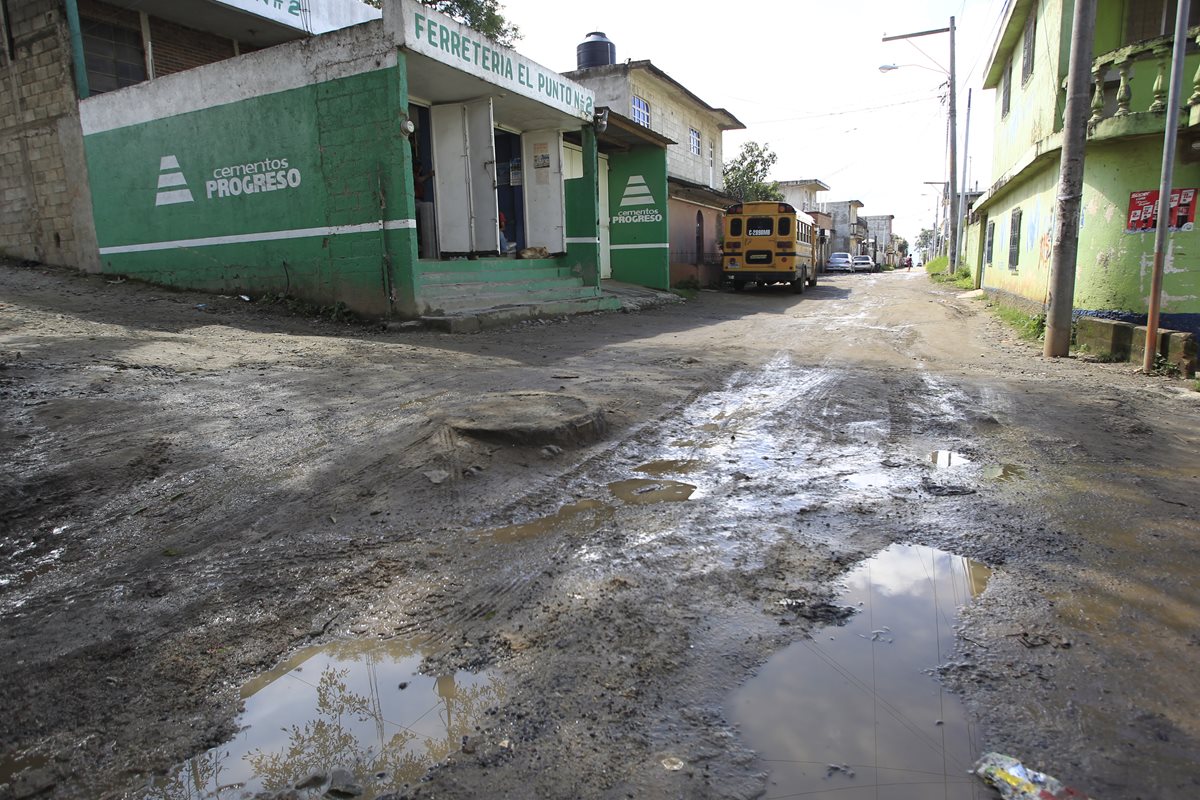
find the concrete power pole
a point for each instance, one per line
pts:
(1061, 294)
(954, 222)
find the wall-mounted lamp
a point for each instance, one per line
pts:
(600, 120)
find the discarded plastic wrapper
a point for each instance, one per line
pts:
(1015, 781)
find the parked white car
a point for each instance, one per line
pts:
(862, 264)
(839, 262)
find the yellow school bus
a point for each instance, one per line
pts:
(768, 242)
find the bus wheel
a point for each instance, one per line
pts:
(798, 284)
(739, 285)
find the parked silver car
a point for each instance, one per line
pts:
(839, 262)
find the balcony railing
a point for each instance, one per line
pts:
(1119, 92)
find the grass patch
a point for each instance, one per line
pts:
(937, 266)
(1030, 327)
(938, 270)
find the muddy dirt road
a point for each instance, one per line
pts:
(833, 545)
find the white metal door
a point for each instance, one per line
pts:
(464, 155)
(542, 165)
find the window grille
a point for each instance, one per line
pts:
(641, 111)
(1014, 239)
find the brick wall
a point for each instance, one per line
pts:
(177, 48)
(44, 204)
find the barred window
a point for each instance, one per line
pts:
(1006, 88)
(1014, 239)
(113, 55)
(641, 111)
(1027, 55)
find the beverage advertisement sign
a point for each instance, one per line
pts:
(1143, 211)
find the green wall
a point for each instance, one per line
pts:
(1113, 267)
(330, 224)
(639, 234)
(583, 213)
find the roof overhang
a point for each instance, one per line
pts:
(253, 21)
(1014, 15)
(622, 133)
(807, 183)
(698, 193)
(449, 62)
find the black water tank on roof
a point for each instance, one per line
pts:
(595, 51)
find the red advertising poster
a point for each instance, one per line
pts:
(1143, 211)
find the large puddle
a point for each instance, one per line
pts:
(852, 713)
(355, 706)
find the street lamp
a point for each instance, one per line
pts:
(953, 267)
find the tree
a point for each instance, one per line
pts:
(901, 245)
(925, 239)
(746, 175)
(480, 15)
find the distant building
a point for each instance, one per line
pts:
(695, 166)
(803, 193)
(879, 238)
(849, 232)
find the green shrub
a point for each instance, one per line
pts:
(936, 266)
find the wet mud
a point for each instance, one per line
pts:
(378, 539)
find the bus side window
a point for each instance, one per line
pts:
(735, 227)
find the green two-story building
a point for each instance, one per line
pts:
(1010, 235)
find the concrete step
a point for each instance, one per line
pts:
(495, 271)
(473, 298)
(471, 320)
(490, 288)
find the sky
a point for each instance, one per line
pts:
(803, 76)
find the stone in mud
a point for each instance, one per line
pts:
(31, 783)
(529, 418)
(342, 785)
(312, 781)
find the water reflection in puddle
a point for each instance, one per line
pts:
(672, 466)
(642, 491)
(580, 515)
(948, 458)
(850, 714)
(339, 706)
(1003, 472)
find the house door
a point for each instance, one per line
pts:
(464, 161)
(605, 232)
(699, 238)
(545, 212)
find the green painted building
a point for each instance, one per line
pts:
(1010, 238)
(406, 166)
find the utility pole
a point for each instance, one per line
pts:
(1163, 223)
(1061, 294)
(953, 205)
(962, 195)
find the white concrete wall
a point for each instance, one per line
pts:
(672, 114)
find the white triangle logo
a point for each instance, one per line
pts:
(637, 193)
(172, 186)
